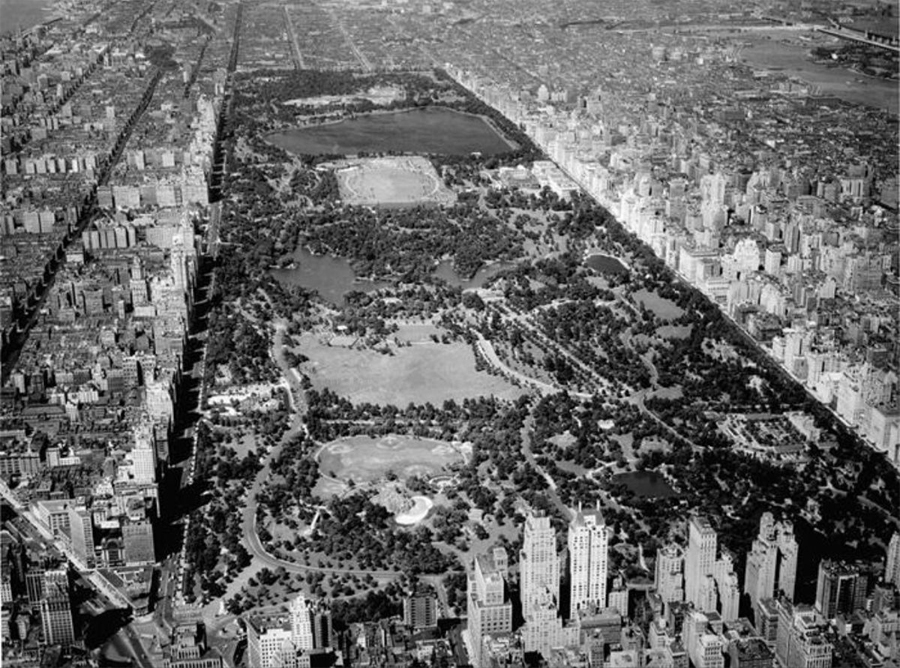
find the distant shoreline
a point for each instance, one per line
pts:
(26, 14)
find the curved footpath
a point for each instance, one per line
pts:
(248, 523)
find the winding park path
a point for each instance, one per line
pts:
(486, 348)
(635, 397)
(528, 453)
(298, 407)
(527, 321)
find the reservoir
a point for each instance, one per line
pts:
(429, 130)
(646, 484)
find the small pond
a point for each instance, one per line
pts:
(646, 484)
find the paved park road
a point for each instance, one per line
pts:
(251, 537)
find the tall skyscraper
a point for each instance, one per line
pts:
(892, 571)
(543, 629)
(710, 584)
(56, 608)
(539, 573)
(588, 543)
(538, 562)
(177, 261)
(699, 560)
(81, 531)
(772, 561)
(489, 607)
(841, 587)
(670, 573)
(301, 623)
(728, 589)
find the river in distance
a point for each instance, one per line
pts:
(15, 14)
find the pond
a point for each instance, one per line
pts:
(333, 277)
(605, 264)
(446, 272)
(429, 130)
(646, 484)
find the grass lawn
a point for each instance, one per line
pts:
(418, 334)
(668, 392)
(428, 372)
(572, 467)
(244, 445)
(661, 307)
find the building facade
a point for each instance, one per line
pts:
(588, 543)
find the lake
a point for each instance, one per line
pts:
(429, 130)
(446, 272)
(333, 277)
(646, 484)
(605, 264)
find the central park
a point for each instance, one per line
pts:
(456, 341)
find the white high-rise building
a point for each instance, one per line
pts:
(892, 572)
(588, 560)
(538, 562)
(728, 590)
(772, 561)
(178, 263)
(670, 573)
(301, 623)
(489, 608)
(543, 629)
(699, 560)
(712, 189)
(143, 455)
(159, 401)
